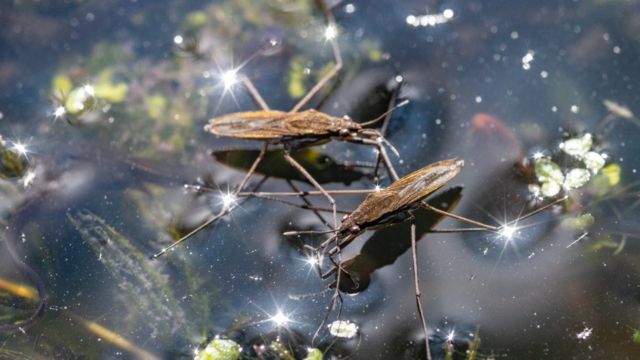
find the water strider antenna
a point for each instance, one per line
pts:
(401, 104)
(294, 233)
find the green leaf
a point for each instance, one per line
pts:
(577, 147)
(580, 222)
(219, 349)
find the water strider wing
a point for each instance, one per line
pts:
(406, 191)
(273, 125)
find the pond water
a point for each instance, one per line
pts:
(105, 162)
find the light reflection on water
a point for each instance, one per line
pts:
(490, 85)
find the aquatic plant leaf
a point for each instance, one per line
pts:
(156, 104)
(578, 223)
(80, 100)
(576, 178)
(296, 87)
(612, 173)
(550, 175)
(577, 147)
(113, 93)
(550, 189)
(593, 161)
(606, 179)
(196, 19)
(548, 171)
(107, 90)
(373, 51)
(61, 84)
(343, 329)
(603, 243)
(219, 349)
(282, 351)
(12, 165)
(316, 354)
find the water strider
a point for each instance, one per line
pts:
(395, 204)
(294, 130)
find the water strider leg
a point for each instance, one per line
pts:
(416, 278)
(385, 124)
(303, 207)
(255, 94)
(253, 167)
(376, 170)
(307, 193)
(313, 181)
(209, 221)
(382, 153)
(226, 210)
(483, 226)
(309, 205)
(337, 297)
(458, 217)
(334, 70)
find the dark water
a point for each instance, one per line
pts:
(109, 179)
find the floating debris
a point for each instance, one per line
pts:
(578, 239)
(617, 109)
(116, 339)
(343, 329)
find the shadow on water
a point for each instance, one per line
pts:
(321, 167)
(387, 244)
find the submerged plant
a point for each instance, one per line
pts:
(146, 288)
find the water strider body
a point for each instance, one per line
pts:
(309, 126)
(394, 203)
